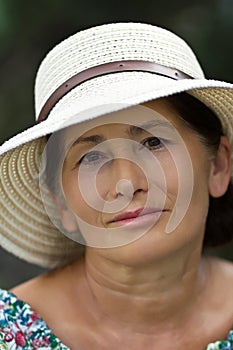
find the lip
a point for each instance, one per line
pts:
(137, 217)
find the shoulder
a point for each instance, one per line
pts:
(222, 344)
(222, 280)
(217, 294)
(219, 267)
(222, 269)
(16, 320)
(220, 289)
(21, 327)
(10, 307)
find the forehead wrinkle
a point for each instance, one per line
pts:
(130, 130)
(148, 125)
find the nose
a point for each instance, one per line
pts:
(127, 178)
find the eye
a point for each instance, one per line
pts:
(93, 158)
(152, 143)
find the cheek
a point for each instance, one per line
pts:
(201, 171)
(170, 174)
(199, 203)
(187, 190)
(71, 191)
(194, 219)
(102, 183)
(200, 196)
(79, 196)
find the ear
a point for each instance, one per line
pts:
(66, 216)
(68, 221)
(220, 173)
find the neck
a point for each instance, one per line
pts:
(146, 297)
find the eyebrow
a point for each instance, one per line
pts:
(93, 139)
(134, 130)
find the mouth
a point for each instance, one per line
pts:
(137, 217)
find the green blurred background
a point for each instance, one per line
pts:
(29, 29)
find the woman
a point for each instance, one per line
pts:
(122, 182)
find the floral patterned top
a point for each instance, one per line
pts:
(21, 328)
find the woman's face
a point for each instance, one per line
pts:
(138, 176)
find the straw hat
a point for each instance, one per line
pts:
(96, 71)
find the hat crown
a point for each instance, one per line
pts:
(109, 43)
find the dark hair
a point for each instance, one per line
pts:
(208, 127)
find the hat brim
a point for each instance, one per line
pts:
(116, 91)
